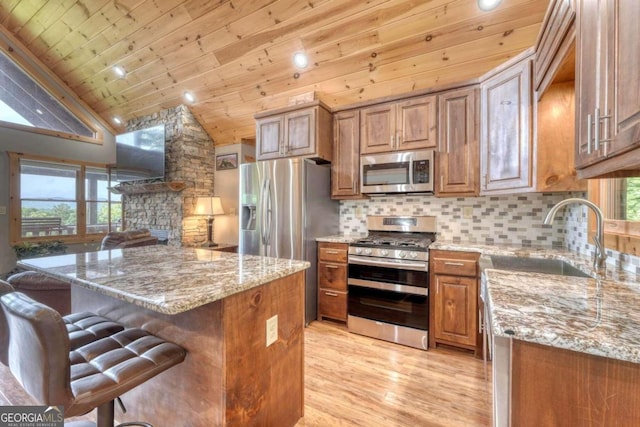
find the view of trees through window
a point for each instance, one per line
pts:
(50, 204)
(633, 199)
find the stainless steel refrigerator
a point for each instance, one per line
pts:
(284, 206)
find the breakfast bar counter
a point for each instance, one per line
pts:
(217, 306)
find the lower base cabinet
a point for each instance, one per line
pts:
(537, 385)
(332, 281)
(455, 312)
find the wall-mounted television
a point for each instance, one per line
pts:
(139, 155)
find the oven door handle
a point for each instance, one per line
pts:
(404, 265)
(406, 289)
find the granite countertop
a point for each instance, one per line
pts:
(165, 279)
(341, 238)
(596, 315)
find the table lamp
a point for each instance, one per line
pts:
(209, 206)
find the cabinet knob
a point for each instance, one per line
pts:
(330, 294)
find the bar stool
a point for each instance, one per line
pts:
(82, 328)
(48, 290)
(89, 377)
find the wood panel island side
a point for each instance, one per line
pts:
(214, 304)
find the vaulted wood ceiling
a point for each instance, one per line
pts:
(236, 55)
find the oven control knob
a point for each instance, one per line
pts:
(358, 250)
(367, 251)
(402, 254)
(413, 254)
(384, 252)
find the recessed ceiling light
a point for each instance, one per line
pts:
(39, 111)
(120, 72)
(488, 5)
(188, 96)
(117, 120)
(300, 60)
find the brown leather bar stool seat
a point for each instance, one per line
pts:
(91, 376)
(50, 291)
(82, 328)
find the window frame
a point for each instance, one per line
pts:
(15, 209)
(619, 235)
(40, 74)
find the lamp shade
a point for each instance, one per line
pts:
(208, 206)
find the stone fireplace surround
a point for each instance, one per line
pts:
(189, 159)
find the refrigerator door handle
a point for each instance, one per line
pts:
(265, 197)
(269, 213)
(263, 202)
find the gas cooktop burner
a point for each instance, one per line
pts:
(417, 242)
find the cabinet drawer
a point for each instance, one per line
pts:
(332, 276)
(332, 252)
(332, 304)
(455, 263)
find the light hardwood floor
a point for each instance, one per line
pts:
(352, 380)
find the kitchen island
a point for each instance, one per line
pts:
(566, 350)
(214, 304)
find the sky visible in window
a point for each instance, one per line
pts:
(8, 114)
(52, 187)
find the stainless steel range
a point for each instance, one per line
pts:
(389, 280)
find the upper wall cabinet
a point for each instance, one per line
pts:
(296, 131)
(458, 149)
(345, 168)
(505, 138)
(608, 82)
(555, 43)
(404, 125)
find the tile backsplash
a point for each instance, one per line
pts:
(507, 219)
(510, 219)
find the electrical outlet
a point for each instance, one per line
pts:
(467, 212)
(3, 210)
(272, 330)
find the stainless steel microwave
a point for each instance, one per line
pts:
(400, 172)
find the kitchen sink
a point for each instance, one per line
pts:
(535, 265)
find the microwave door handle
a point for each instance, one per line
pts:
(411, 173)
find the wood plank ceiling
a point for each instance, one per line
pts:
(235, 56)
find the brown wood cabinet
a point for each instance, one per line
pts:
(608, 80)
(506, 129)
(332, 281)
(295, 131)
(396, 126)
(571, 388)
(458, 146)
(454, 300)
(345, 168)
(555, 42)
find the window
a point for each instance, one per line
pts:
(103, 209)
(25, 103)
(619, 199)
(61, 201)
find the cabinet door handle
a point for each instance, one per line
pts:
(589, 124)
(332, 252)
(596, 130)
(606, 120)
(331, 266)
(354, 185)
(331, 294)
(457, 264)
(393, 141)
(480, 325)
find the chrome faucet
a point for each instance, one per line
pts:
(600, 259)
